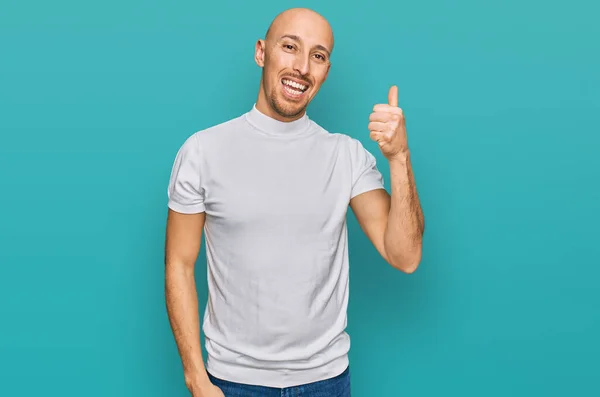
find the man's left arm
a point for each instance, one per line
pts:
(395, 224)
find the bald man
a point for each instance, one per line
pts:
(270, 190)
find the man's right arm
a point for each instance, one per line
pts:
(182, 246)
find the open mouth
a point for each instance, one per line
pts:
(293, 89)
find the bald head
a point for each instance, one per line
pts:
(298, 18)
(295, 61)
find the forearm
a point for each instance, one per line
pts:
(405, 226)
(182, 308)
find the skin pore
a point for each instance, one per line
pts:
(295, 61)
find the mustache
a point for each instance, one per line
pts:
(299, 77)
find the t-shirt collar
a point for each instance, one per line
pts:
(270, 125)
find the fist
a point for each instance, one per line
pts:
(388, 127)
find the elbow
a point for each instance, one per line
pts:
(406, 266)
(407, 263)
(176, 270)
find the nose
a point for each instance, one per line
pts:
(302, 64)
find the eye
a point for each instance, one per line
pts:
(288, 47)
(320, 57)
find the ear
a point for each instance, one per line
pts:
(259, 53)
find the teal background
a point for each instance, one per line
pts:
(502, 106)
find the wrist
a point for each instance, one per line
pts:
(197, 382)
(401, 158)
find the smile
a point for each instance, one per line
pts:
(293, 88)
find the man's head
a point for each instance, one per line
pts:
(295, 58)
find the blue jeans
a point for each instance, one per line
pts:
(338, 386)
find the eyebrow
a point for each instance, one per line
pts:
(297, 38)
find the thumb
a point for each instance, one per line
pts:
(393, 96)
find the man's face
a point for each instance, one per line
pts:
(295, 59)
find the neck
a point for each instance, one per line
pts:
(277, 128)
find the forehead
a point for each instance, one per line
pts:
(310, 30)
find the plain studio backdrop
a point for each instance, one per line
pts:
(502, 106)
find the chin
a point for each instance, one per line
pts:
(289, 110)
(286, 107)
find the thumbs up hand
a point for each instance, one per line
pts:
(388, 127)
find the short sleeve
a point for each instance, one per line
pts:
(185, 192)
(365, 174)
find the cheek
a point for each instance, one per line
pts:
(320, 74)
(319, 80)
(276, 63)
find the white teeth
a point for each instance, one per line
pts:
(295, 92)
(294, 84)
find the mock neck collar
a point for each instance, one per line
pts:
(269, 125)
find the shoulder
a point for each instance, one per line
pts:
(351, 148)
(345, 142)
(208, 136)
(354, 151)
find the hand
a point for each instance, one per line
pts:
(388, 127)
(208, 390)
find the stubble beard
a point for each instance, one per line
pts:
(283, 109)
(279, 105)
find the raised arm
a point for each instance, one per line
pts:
(395, 224)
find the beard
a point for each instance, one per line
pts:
(283, 108)
(280, 105)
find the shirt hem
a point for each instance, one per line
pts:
(279, 378)
(366, 188)
(186, 209)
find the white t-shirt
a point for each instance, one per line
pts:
(276, 197)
